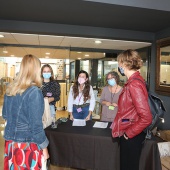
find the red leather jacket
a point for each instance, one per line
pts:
(133, 114)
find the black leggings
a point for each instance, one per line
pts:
(130, 151)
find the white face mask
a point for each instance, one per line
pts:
(81, 80)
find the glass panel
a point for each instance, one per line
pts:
(110, 66)
(165, 66)
(84, 65)
(145, 55)
(72, 71)
(101, 77)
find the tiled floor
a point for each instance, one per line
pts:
(59, 114)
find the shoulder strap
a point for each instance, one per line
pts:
(142, 82)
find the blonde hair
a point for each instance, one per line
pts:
(131, 59)
(28, 75)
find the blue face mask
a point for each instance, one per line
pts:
(121, 71)
(46, 75)
(112, 82)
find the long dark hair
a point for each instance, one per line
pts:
(52, 74)
(86, 89)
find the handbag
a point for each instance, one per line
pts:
(47, 118)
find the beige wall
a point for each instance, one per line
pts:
(165, 73)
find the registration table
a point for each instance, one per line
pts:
(92, 148)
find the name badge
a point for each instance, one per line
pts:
(79, 110)
(49, 94)
(111, 107)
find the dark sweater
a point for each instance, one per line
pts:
(51, 89)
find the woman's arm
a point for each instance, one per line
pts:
(45, 153)
(4, 109)
(139, 98)
(92, 100)
(35, 112)
(102, 98)
(55, 92)
(70, 102)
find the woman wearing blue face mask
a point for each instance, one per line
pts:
(50, 87)
(109, 97)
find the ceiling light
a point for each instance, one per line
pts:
(1, 36)
(78, 58)
(87, 55)
(98, 42)
(47, 53)
(5, 51)
(12, 55)
(79, 52)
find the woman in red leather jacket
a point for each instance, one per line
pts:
(133, 114)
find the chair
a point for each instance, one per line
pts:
(97, 109)
(164, 150)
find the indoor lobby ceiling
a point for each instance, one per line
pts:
(61, 47)
(72, 19)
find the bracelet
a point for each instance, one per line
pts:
(125, 136)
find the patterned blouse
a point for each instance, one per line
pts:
(51, 89)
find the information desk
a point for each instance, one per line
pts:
(92, 148)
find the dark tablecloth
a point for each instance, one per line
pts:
(93, 148)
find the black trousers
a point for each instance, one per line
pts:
(130, 151)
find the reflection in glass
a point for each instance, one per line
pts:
(72, 71)
(165, 66)
(84, 65)
(100, 78)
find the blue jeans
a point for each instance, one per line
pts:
(52, 110)
(81, 115)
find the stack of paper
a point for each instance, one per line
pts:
(79, 122)
(100, 124)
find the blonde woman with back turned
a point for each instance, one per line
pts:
(25, 139)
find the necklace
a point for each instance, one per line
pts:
(112, 96)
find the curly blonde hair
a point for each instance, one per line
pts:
(131, 59)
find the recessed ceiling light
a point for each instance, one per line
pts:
(47, 53)
(98, 42)
(79, 52)
(86, 55)
(1, 36)
(78, 58)
(12, 55)
(5, 51)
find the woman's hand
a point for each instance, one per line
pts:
(50, 99)
(71, 116)
(88, 117)
(45, 153)
(108, 104)
(114, 104)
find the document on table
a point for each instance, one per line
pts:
(79, 122)
(100, 125)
